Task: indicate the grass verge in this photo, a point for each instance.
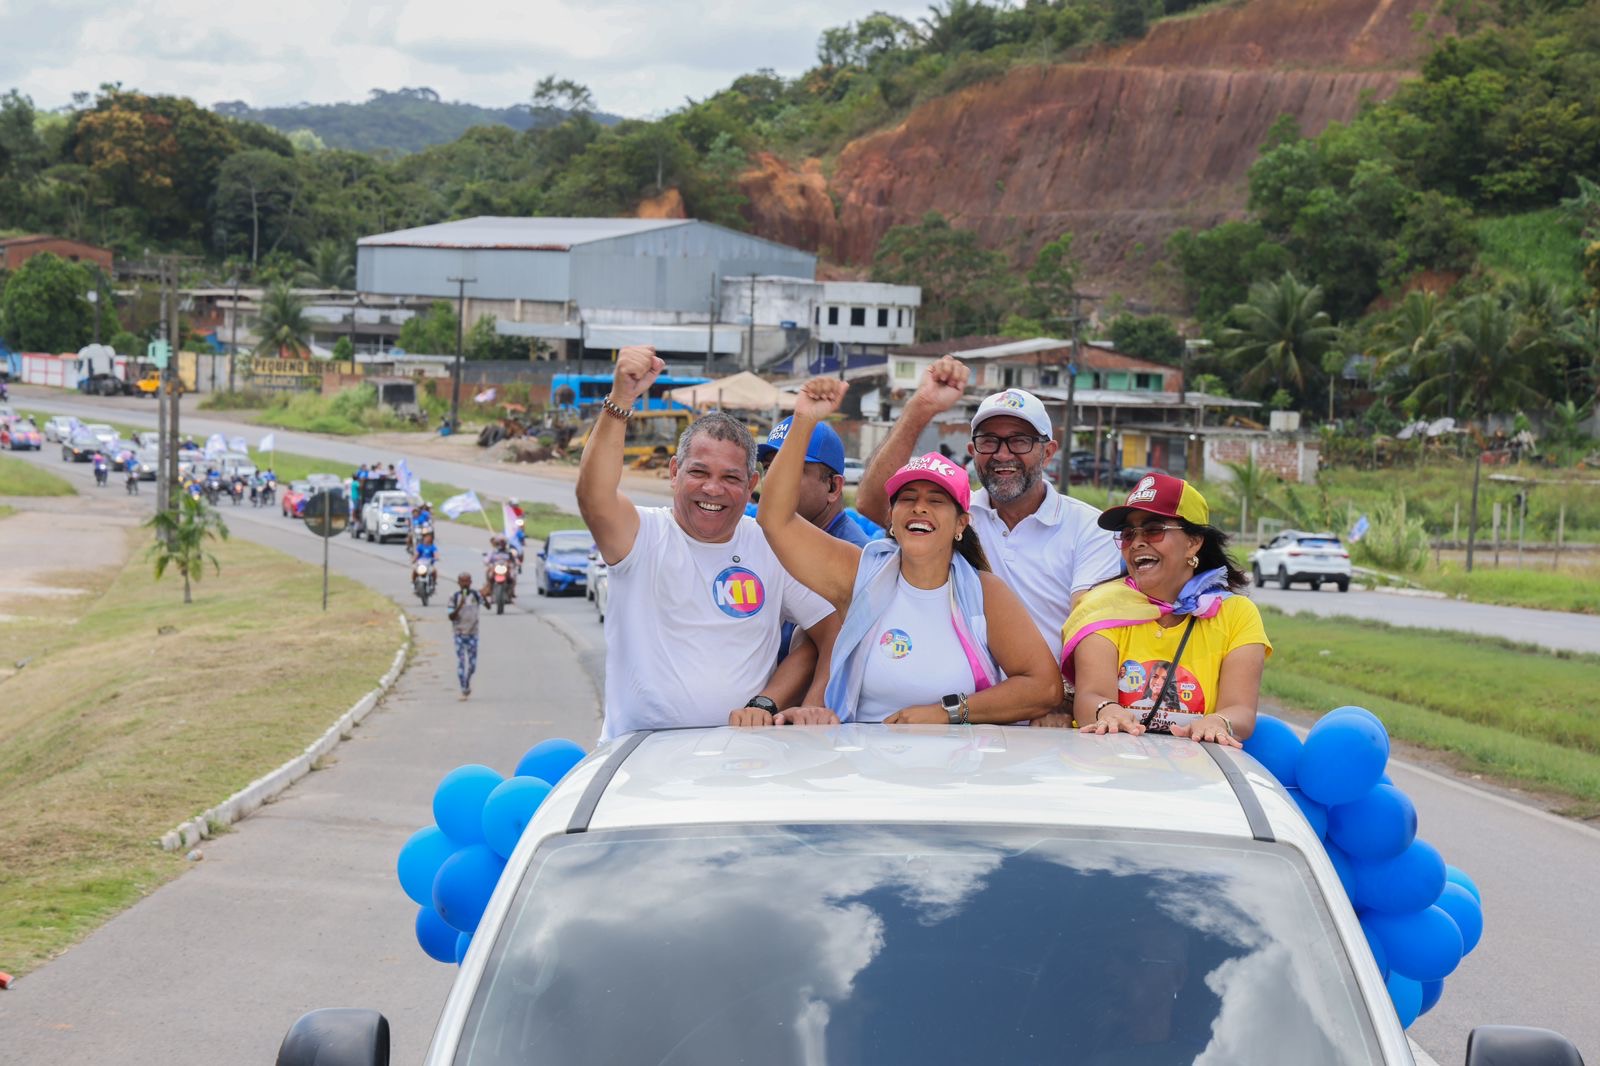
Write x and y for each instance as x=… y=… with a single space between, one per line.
x=1542 y=589
x=135 y=712
x=1513 y=711
x=18 y=478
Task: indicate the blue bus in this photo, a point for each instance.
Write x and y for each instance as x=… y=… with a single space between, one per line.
x=583 y=392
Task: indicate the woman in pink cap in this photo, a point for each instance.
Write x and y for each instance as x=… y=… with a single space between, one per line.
x=929 y=635
x=1168 y=648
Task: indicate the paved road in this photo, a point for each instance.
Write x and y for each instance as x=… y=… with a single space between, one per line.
x=1552 y=629
x=299 y=907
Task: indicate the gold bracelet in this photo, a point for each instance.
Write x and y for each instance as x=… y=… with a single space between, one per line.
x=1102 y=705
x=1225 y=723
x=615 y=409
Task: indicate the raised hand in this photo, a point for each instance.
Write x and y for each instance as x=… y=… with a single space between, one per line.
x=943 y=384
x=819 y=398
x=638 y=366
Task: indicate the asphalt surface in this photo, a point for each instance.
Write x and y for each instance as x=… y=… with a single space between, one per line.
x=299 y=907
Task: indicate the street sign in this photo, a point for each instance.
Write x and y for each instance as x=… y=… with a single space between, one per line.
x=326 y=513
x=158 y=352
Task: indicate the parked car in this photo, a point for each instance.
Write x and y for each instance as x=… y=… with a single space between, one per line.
x=80 y=447
x=853 y=470
x=1129 y=476
x=853 y=894
x=58 y=428
x=1295 y=556
x=292 y=503
x=602 y=593
x=562 y=562
x=591 y=575
x=387 y=515
x=20 y=434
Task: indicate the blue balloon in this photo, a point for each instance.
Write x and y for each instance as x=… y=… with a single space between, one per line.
x=419 y=862
x=1315 y=812
x=463 y=887
x=1455 y=875
x=436 y=938
x=1342 y=759
x=1424 y=946
x=549 y=760
x=1345 y=867
x=1379 y=953
x=458 y=802
x=1461 y=905
x=508 y=810
x=1431 y=991
x=1408 y=882
x=1406 y=995
x=463 y=942
x=1351 y=709
x=1275 y=746
x=1379 y=825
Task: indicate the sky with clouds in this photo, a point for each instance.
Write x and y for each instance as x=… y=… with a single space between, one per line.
x=639 y=58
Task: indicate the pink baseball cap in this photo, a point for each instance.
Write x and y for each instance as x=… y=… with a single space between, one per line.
x=937 y=469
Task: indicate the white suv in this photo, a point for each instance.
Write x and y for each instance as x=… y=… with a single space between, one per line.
x=912 y=895
x=1295 y=556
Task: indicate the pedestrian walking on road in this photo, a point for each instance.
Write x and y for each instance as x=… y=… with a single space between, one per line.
x=464 y=605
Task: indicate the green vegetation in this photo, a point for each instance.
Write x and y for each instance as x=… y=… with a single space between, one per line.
x=18 y=478
x=1535 y=244
x=349 y=413
x=237 y=400
x=43 y=307
x=1550 y=590
x=180 y=541
x=1463 y=695
x=104 y=746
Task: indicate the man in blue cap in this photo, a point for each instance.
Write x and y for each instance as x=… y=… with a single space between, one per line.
x=822 y=488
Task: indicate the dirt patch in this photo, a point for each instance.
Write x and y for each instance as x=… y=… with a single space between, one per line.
x=57 y=548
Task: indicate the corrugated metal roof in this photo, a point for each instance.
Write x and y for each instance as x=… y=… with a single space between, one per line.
x=520 y=234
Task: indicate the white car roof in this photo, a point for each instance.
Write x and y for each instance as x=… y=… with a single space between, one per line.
x=974 y=775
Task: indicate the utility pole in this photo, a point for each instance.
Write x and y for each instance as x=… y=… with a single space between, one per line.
x=461 y=327
x=233 y=345
x=174 y=384
x=1064 y=475
x=1472 y=514
x=711 y=325
x=163 y=446
x=751 y=334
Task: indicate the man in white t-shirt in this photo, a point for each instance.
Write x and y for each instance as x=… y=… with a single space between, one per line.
x=1047 y=547
x=697 y=599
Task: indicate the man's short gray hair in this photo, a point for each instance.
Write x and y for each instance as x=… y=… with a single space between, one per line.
x=719 y=425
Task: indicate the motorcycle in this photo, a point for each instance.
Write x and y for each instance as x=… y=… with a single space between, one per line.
x=213 y=490
x=100 y=473
x=133 y=482
x=269 y=493
x=423 y=579
x=236 y=491
x=503 y=592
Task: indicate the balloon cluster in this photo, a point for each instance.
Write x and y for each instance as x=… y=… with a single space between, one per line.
x=1421 y=917
x=452 y=866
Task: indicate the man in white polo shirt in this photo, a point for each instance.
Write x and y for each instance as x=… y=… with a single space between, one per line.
x=1047 y=547
x=697 y=597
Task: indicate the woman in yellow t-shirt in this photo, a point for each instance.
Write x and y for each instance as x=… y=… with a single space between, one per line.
x=1169 y=648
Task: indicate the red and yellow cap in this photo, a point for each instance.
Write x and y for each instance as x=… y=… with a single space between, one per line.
x=1162 y=494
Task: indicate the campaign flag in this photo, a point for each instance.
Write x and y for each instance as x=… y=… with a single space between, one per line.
x=508 y=518
x=237 y=444
x=1359 y=530
x=215 y=445
x=486 y=396
x=409 y=483
x=268 y=443
x=456 y=506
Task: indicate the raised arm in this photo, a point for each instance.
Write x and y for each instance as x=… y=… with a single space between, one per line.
x=610 y=515
x=823 y=564
x=940 y=389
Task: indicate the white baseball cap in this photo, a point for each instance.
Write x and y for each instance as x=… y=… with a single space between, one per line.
x=1018 y=403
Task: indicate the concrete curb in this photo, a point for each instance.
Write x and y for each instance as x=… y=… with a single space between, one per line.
x=268 y=787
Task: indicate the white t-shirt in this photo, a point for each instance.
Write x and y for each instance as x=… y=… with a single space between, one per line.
x=692 y=629
x=915 y=657
x=1054 y=552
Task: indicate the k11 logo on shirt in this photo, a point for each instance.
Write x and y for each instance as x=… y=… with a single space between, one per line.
x=738 y=592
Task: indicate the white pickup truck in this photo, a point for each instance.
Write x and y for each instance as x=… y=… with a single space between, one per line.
x=386 y=515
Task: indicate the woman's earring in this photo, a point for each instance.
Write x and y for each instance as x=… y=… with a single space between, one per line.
x=1194 y=561
x=961 y=534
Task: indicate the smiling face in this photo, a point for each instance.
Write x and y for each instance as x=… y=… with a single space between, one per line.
x=711 y=483
x=1007 y=477
x=925 y=518
x=1159 y=567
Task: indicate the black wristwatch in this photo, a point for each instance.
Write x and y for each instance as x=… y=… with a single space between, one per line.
x=955 y=705
x=764 y=704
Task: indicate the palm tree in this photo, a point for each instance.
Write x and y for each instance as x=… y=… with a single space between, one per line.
x=1487 y=353
x=330 y=267
x=181 y=537
x=1581 y=337
x=282 y=325
x=1282 y=330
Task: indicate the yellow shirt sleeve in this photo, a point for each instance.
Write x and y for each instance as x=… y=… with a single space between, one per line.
x=1243 y=623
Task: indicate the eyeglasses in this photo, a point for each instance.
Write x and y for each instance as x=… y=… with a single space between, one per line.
x=989 y=443
x=1151 y=534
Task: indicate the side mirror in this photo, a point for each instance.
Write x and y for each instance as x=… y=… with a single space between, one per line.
x=1518 y=1045
x=336 y=1037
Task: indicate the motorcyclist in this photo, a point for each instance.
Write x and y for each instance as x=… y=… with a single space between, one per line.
x=426 y=551
x=236 y=487
x=100 y=469
x=131 y=469
x=499 y=553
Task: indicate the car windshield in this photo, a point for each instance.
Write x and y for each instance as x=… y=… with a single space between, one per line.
x=577 y=541
x=881 y=945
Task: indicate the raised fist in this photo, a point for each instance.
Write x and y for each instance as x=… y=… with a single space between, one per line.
x=820 y=397
x=638 y=366
x=943 y=384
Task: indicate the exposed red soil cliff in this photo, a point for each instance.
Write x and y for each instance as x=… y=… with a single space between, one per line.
x=1121 y=149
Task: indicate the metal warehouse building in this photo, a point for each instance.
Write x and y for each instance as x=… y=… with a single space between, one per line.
x=595 y=282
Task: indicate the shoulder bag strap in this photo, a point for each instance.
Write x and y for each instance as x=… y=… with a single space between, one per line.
x=1172 y=675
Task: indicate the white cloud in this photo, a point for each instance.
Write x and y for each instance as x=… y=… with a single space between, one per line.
x=639 y=58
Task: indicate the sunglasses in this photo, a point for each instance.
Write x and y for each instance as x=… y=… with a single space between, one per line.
x=1151 y=534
